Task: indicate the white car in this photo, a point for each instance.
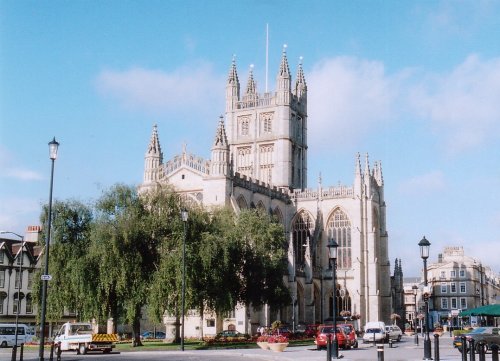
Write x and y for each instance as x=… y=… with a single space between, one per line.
x=393 y=332
x=374 y=334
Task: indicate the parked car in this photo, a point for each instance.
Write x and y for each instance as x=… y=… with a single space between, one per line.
x=325 y=332
x=311 y=330
x=230 y=333
x=375 y=332
x=490 y=336
x=393 y=332
x=284 y=331
x=351 y=333
x=151 y=335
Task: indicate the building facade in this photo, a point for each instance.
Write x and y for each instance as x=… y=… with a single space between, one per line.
x=459 y=282
x=19 y=260
x=259 y=160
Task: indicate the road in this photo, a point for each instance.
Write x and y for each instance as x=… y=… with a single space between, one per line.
x=405 y=350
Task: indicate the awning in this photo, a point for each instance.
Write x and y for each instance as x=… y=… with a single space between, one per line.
x=488 y=310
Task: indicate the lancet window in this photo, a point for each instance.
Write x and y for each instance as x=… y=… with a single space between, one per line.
x=301 y=232
x=339 y=229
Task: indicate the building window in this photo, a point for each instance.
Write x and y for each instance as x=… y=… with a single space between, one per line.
x=29 y=304
x=266 y=121
x=463 y=303
x=444 y=288
x=443 y=275
x=339 y=229
x=462 y=287
x=18 y=259
x=453 y=287
x=18 y=277
x=14 y=304
x=454 y=303
x=462 y=273
x=244 y=126
x=301 y=233
x=2 y=278
x=30 y=279
x=453 y=274
x=210 y=322
x=2 y=257
x=1 y=304
x=444 y=303
x=266 y=162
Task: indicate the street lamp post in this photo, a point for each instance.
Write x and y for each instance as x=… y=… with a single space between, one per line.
x=184 y=216
x=19 y=284
x=332 y=255
x=424 y=245
x=415 y=291
x=53 y=146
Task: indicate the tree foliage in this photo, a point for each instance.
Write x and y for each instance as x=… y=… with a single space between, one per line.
x=125 y=251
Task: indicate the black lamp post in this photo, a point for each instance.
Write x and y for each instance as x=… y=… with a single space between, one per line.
x=53 y=146
x=184 y=216
x=332 y=255
x=415 y=291
x=424 y=245
x=19 y=284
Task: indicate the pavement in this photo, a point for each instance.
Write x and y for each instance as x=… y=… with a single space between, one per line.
x=406 y=350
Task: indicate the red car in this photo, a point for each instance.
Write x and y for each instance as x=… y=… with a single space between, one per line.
x=351 y=333
x=326 y=331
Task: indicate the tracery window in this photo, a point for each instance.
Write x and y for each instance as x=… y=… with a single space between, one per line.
x=245 y=161
x=301 y=232
x=266 y=122
x=244 y=125
x=266 y=164
x=339 y=229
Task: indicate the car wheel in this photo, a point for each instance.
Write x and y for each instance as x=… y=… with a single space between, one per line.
x=399 y=338
x=4 y=344
x=82 y=349
x=355 y=344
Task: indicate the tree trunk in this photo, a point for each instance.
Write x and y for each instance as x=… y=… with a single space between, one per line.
x=136 y=329
x=201 y=320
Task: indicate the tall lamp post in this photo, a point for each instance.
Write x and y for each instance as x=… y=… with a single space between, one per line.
x=415 y=291
x=53 y=146
x=19 y=284
x=424 y=245
x=184 y=216
x=332 y=255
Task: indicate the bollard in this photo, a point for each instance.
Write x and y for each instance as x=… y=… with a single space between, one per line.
x=390 y=343
x=436 y=347
x=494 y=352
x=58 y=351
x=51 y=357
x=328 y=348
x=416 y=339
x=472 y=355
x=464 y=348
x=481 y=350
x=14 y=351
x=21 y=352
x=380 y=352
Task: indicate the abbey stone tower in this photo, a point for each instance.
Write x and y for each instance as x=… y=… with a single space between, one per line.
x=259 y=159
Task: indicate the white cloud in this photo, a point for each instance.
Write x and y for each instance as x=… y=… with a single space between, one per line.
x=462 y=105
x=195 y=88
x=348 y=98
x=429 y=182
x=17 y=213
x=19 y=173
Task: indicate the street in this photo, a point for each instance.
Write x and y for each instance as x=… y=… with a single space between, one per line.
x=402 y=351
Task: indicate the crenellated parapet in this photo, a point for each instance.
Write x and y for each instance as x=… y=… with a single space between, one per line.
x=257 y=186
x=326 y=193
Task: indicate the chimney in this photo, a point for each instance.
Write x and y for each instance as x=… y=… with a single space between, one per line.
x=32 y=234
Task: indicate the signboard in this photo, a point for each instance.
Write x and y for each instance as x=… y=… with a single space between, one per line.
x=46 y=277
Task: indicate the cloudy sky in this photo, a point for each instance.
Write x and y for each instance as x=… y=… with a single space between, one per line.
x=415 y=84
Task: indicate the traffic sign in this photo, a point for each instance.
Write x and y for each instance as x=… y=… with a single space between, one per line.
x=46 y=277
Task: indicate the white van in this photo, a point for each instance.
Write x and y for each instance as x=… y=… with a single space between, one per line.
x=374 y=332
x=8 y=334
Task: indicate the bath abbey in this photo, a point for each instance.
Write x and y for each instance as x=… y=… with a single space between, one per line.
x=259 y=160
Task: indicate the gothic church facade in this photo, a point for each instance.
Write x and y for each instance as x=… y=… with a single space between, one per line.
x=259 y=159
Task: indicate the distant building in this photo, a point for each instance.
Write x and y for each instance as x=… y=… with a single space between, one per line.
x=16 y=260
x=457 y=282
x=259 y=160
x=460 y=282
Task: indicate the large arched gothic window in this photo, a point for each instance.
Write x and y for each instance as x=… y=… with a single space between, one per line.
x=301 y=228
x=339 y=229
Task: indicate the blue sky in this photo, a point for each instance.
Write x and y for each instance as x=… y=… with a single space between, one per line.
x=416 y=84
